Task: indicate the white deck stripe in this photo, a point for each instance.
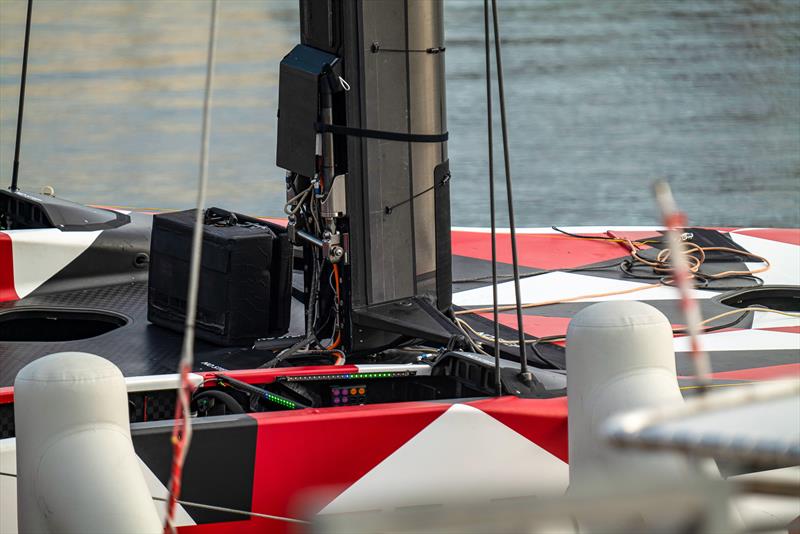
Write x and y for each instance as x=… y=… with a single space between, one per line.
x=560 y=285
x=39 y=254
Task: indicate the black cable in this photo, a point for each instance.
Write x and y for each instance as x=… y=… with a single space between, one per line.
x=546 y=339
x=311 y=335
x=592 y=237
x=627 y=267
x=227 y=400
x=539 y=355
x=525 y=375
x=495 y=313
x=376 y=47
x=22 y=83
x=389 y=209
x=757 y=279
x=559 y=230
x=308 y=354
x=715 y=328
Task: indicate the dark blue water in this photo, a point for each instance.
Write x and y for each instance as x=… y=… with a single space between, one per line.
x=603 y=98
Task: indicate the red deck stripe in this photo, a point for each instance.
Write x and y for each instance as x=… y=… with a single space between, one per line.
x=535 y=325
x=788 y=329
x=543 y=251
x=542 y=421
x=783 y=235
x=7 y=289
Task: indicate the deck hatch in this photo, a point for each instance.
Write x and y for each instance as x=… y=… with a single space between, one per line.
x=55 y=324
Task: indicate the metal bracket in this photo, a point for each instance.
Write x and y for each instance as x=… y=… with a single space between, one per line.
x=335 y=204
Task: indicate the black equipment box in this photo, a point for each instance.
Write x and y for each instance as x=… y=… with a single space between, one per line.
x=298 y=107
x=245 y=276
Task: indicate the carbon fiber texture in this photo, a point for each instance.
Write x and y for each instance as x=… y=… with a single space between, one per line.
x=137 y=348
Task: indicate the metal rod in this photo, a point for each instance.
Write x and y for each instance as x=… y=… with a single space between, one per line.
x=310 y=238
x=525 y=375
x=495 y=313
x=22 y=83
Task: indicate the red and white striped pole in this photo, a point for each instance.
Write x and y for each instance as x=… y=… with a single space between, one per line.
x=675 y=222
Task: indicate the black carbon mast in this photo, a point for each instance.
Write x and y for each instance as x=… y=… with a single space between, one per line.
x=363 y=135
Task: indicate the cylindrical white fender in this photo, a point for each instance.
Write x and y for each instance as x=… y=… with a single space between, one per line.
x=620 y=357
x=76 y=467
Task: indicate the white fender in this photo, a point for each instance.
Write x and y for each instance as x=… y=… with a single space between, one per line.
x=76 y=466
x=619 y=358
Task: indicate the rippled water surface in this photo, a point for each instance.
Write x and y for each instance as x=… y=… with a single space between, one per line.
x=603 y=97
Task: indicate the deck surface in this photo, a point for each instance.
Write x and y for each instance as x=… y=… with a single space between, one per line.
x=555 y=268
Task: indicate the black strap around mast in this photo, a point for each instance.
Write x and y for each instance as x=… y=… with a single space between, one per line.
x=23 y=78
x=381 y=134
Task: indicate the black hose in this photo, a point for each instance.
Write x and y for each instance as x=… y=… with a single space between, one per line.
x=228 y=401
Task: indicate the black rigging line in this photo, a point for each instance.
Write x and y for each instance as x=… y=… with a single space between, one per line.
x=23 y=78
x=498 y=384
x=525 y=375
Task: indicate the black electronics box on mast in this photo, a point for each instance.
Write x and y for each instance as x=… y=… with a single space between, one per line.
x=299 y=96
x=245 y=276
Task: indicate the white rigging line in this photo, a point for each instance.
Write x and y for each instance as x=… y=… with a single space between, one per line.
x=182 y=433
x=191 y=504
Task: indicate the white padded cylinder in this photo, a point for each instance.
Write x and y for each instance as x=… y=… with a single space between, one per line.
x=620 y=357
x=76 y=467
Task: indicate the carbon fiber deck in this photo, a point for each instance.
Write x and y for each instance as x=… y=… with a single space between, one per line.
x=137 y=348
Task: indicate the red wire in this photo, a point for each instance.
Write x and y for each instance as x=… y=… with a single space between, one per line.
x=338 y=340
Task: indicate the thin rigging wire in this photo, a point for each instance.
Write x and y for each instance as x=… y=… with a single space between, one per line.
x=749 y=309
x=182 y=431
x=498 y=384
x=525 y=375
x=22 y=83
x=235 y=511
x=212 y=507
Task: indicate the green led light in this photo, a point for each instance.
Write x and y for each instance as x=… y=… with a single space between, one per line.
x=278 y=400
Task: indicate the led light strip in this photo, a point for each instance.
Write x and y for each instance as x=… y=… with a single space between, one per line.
x=347 y=376
x=280 y=400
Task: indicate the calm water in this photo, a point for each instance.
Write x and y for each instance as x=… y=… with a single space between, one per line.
x=603 y=97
